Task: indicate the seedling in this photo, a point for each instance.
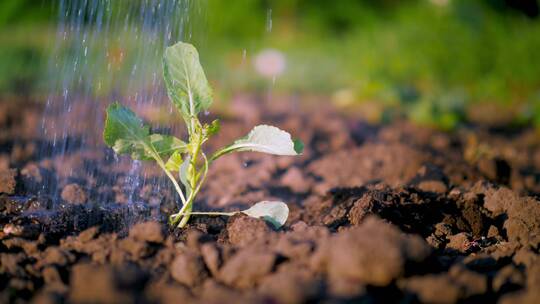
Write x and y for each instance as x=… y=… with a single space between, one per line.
x=189 y=91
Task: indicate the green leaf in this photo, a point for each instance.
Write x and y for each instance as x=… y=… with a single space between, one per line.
x=266 y=139
x=126 y=134
x=274 y=212
x=122 y=123
x=212 y=128
x=124 y=131
x=298 y=146
x=166 y=145
x=185 y=79
x=174 y=162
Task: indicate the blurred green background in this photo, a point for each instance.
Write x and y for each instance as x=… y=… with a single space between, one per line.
x=437 y=62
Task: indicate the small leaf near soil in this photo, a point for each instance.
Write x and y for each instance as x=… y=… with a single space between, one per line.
x=274 y=212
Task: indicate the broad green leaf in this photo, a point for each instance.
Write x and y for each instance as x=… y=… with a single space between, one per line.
x=185 y=79
x=174 y=162
x=274 y=212
x=122 y=124
x=126 y=134
x=266 y=139
x=124 y=131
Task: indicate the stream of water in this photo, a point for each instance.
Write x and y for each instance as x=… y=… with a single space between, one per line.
x=106 y=50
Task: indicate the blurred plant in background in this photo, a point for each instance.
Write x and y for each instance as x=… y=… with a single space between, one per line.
x=24 y=30
x=436 y=62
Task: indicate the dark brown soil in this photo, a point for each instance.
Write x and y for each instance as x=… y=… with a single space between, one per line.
x=379 y=214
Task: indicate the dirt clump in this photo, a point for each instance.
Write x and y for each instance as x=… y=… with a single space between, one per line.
x=98 y=284
x=459 y=242
x=74 y=194
x=246 y=267
x=521 y=213
x=243 y=230
x=294 y=179
x=188 y=268
x=151 y=232
x=395 y=163
x=374 y=253
x=7 y=181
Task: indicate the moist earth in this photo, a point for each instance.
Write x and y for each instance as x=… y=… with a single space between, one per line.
x=378 y=213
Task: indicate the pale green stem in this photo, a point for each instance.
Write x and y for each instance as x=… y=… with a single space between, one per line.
x=213 y=213
x=186 y=216
x=193 y=164
x=169 y=175
x=220 y=153
x=185 y=212
x=175 y=183
x=182 y=211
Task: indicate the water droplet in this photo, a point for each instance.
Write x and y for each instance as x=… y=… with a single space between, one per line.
x=269 y=20
x=130 y=36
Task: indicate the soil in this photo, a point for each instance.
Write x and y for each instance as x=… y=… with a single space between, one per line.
x=378 y=213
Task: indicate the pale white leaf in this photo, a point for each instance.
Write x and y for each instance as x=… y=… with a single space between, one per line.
x=266 y=139
x=273 y=212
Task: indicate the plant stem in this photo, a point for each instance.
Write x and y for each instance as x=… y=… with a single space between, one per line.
x=186 y=215
x=215 y=213
x=185 y=212
x=168 y=173
x=173 y=180
x=219 y=153
x=182 y=212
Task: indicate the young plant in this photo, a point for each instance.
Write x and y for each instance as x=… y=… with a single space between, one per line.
x=191 y=94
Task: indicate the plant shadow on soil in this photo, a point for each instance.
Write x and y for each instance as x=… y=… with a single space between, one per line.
x=378 y=213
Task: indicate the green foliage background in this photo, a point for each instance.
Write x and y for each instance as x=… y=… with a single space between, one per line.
x=432 y=62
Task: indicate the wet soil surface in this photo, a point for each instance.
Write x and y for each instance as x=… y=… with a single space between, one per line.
x=379 y=214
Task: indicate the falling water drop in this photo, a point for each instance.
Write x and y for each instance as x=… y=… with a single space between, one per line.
x=106 y=47
x=133 y=180
x=269 y=20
